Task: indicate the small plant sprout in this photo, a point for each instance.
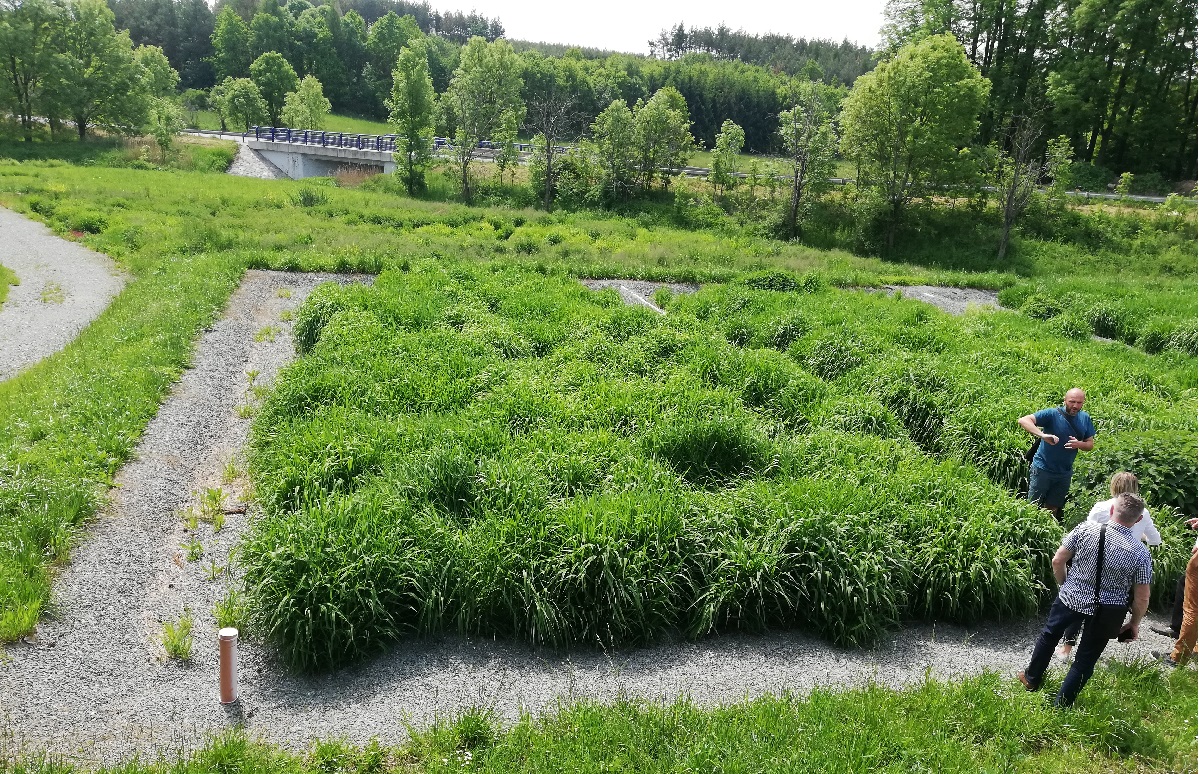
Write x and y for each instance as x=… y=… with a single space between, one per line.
x=177 y=637
x=231 y=610
x=214 y=570
x=53 y=293
x=218 y=521
x=286 y=315
x=230 y=472
x=283 y=293
x=212 y=502
x=267 y=333
x=193 y=549
x=245 y=411
x=252 y=375
x=190 y=519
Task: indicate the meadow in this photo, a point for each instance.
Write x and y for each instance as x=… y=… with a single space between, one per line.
x=480 y=444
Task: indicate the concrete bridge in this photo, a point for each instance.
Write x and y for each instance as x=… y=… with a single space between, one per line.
x=301 y=153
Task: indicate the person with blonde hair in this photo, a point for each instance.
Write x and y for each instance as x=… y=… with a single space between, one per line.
x=1101 y=513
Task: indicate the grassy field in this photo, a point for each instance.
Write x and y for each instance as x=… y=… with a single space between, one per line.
x=478 y=409
x=188 y=235
x=1130 y=718
x=7 y=278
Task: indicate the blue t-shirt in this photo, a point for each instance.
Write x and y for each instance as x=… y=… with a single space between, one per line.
x=1057 y=459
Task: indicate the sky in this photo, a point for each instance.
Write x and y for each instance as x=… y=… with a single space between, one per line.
x=627 y=25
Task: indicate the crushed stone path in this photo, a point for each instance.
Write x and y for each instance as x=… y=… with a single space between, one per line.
x=952 y=300
x=93 y=683
x=63 y=287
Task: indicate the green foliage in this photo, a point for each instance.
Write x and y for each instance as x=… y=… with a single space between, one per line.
x=728 y=147
x=177 y=637
x=904 y=122
x=275 y=79
x=166 y=122
x=411 y=107
x=239 y=101
x=809 y=143
x=306 y=107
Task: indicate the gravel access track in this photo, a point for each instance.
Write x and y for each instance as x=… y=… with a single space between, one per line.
x=63 y=287
x=94 y=684
x=952 y=300
x=639 y=292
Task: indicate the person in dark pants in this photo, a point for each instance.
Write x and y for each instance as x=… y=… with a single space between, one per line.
x=1064 y=431
x=1127 y=572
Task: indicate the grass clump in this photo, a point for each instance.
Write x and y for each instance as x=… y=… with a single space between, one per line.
x=8 y=278
x=177 y=637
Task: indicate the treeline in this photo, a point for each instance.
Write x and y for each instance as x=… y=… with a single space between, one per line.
x=1117 y=77
x=815 y=59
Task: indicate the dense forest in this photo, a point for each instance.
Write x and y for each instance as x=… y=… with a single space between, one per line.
x=1117 y=78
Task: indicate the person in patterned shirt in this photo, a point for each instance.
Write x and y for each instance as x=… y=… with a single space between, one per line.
x=1127 y=571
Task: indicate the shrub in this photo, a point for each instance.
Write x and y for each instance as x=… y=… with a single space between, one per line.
x=1155 y=335
x=1040 y=307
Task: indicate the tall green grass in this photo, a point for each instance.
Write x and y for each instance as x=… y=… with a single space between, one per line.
x=499 y=451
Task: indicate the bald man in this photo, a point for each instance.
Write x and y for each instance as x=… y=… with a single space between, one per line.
x=1064 y=431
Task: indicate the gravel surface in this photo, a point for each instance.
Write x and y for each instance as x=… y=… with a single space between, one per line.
x=93 y=683
x=250 y=163
x=638 y=292
x=952 y=300
x=64 y=286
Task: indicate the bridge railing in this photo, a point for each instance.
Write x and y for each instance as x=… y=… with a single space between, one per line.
x=375 y=142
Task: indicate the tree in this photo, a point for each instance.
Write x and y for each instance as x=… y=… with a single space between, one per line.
x=1017 y=173
x=904 y=122
x=274 y=78
x=724 y=157
x=505 y=154
x=386 y=39
x=166 y=121
x=27 y=32
x=614 y=133
x=306 y=107
x=161 y=78
x=411 y=107
x=806 y=133
x=230 y=46
x=196 y=26
x=484 y=90
x=97 y=81
x=551 y=95
x=663 y=139
x=240 y=101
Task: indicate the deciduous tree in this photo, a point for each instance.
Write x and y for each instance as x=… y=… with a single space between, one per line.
x=241 y=102
x=230 y=46
x=664 y=141
x=306 y=107
x=97 y=81
x=411 y=106
x=614 y=133
x=275 y=78
x=161 y=78
x=904 y=122
x=166 y=122
x=27 y=32
x=806 y=132
x=729 y=142
x=484 y=90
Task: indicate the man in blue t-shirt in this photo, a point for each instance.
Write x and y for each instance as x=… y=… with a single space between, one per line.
x=1064 y=431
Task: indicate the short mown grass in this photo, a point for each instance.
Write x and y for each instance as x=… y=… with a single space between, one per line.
x=1129 y=718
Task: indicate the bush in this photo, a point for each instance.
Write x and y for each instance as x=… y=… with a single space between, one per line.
x=1089 y=177
x=1040 y=307
x=1155 y=336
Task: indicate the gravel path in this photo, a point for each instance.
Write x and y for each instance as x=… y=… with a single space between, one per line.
x=952 y=300
x=93 y=682
x=64 y=286
x=638 y=292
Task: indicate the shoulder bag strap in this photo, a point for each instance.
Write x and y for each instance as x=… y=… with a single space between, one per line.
x=1099 y=567
x=1072 y=427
